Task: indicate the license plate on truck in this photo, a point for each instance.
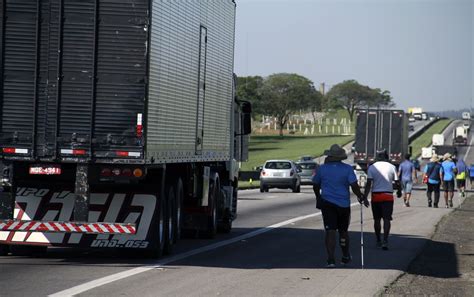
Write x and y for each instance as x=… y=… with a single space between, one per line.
x=45 y=170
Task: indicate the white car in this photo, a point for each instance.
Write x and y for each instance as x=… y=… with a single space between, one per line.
x=282 y=174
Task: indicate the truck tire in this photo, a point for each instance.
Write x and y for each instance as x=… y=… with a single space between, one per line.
x=225 y=223
x=179 y=206
x=28 y=251
x=157 y=250
x=4 y=249
x=211 y=229
x=170 y=220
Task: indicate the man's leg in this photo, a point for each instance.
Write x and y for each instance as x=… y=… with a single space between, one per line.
x=330 y=244
x=387 y=210
x=386 y=229
x=446 y=193
x=436 y=195
x=344 y=243
x=377 y=229
x=429 y=192
x=377 y=214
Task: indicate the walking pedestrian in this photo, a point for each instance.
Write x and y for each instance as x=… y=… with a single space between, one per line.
x=448 y=170
x=381 y=177
x=331 y=187
x=471 y=175
x=433 y=176
x=406 y=174
x=461 y=177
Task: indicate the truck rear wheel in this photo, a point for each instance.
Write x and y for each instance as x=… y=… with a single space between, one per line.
x=170 y=220
x=179 y=203
x=25 y=250
x=157 y=250
x=212 y=218
x=4 y=249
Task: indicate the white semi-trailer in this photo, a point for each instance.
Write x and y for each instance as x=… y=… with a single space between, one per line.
x=119 y=127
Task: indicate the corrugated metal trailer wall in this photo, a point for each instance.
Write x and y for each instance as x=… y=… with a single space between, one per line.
x=74 y=76
x=190 y=84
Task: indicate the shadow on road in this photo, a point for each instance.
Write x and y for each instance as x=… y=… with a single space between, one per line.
x=282 y=248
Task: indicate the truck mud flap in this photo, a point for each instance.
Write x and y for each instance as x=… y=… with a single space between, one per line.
x=122 y=205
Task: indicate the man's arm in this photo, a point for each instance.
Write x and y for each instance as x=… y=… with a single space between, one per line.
x=360 y=197
x=317 y=190
x=368 y=186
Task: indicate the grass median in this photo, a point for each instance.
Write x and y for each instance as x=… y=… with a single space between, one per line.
x=262 y=148
x=424 y=140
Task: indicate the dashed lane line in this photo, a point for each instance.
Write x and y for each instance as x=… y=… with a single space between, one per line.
x=159 y=264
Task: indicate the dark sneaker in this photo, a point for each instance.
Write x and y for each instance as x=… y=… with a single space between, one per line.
x=378 y=244
x=385 y=245
x=450 y=203
x=435 y=206
x=407 y=204
x=346 y=260
x=331 y=264
x=429 y=204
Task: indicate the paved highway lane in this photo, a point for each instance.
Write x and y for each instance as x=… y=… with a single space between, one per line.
x=284 y=259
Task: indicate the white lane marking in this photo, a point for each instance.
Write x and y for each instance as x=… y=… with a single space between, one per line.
x=158 y=265
x=468 y=149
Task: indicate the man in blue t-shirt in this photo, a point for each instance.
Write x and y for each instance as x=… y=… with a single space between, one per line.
x=433 y=173
x=448 y=171
x=406 y=172
x=331 y=187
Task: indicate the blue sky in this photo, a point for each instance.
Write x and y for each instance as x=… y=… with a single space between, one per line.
x=420 y=50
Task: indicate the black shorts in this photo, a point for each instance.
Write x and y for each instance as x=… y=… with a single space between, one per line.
x=448 y=186
x=335 y=217
x=461 y=183
x=382 y=209
x=433 y=188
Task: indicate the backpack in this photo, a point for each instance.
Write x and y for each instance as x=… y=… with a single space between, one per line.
x=433 y=171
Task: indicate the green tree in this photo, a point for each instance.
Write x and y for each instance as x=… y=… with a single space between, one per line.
x=351 y=95
x=285 y=93
x=248 y=88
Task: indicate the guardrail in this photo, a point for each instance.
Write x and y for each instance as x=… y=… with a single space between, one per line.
x=418 y=133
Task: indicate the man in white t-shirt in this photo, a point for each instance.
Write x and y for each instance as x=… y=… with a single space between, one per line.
x=380 y=179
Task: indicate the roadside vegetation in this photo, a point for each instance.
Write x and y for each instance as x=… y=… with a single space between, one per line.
x=424 y=140
x=264 y=148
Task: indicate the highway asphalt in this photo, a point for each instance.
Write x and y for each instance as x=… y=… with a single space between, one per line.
x=275 y=248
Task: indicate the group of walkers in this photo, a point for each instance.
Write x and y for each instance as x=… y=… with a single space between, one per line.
x=446 y=173
x=331 y=186
x=334 y=178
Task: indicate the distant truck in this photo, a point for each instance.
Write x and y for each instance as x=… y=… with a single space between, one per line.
x=119 y=124
x=437 y=139
x=466 y=115
x=443 y=149
x=460 y=135
x=380 y=129
x=413 y=110
x=424 y=116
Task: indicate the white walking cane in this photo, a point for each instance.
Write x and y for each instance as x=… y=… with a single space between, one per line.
x=362 y=235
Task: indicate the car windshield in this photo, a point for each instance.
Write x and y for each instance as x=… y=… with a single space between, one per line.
x=278 y=165
x=307 y=165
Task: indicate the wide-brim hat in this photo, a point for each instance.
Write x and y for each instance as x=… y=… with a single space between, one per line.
x=447 y=156
x=337 y=152
x=434 y=158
